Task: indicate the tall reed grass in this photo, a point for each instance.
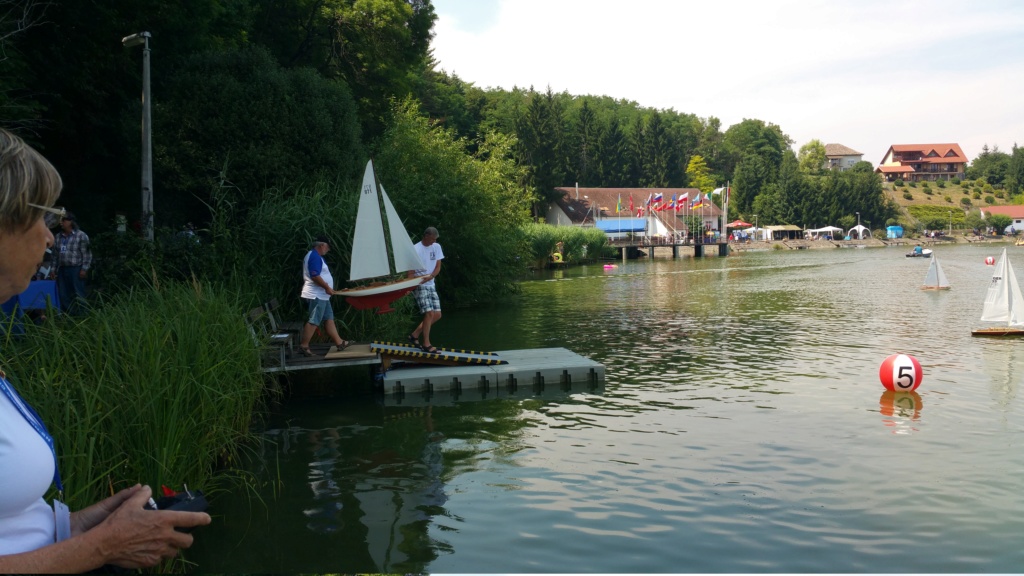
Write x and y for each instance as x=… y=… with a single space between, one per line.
x=575 y=241
x=158 y=385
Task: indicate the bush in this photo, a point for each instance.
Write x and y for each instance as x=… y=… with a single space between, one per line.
x=898 y=183
x=907 y=195
x=965 y=191
x=965 y=202
x=941 y=183
x=947 y=198
x=928 y=191
x=912 y=184
x=1000 y=194
x=990 y=199
x=955 y=181
x=976 y=195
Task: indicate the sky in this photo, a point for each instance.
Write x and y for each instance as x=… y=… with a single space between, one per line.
x=862 y=73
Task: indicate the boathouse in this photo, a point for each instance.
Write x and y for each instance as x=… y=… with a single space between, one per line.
x=664 y=210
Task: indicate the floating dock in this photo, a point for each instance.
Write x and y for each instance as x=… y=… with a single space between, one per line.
x=537 y=368
x=402 y=369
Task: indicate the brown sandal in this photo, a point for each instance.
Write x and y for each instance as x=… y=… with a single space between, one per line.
x=305 y=351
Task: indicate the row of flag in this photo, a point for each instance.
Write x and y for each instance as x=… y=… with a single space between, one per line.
x=656 y=202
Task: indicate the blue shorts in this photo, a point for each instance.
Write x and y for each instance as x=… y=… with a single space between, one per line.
x=426 y=299
x=319 y=310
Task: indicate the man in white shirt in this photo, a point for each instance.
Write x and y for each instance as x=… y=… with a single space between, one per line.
x=317 y=289
x=430 y=254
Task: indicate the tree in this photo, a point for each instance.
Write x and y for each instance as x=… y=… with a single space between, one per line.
x=586 y=144
x=1015 y=171
x=698 y=174
x=749 y=179
x=812 y=157
x=238 y=118
x=991 y=164
x=999 y=222
x=378 y=47
x=473 y=201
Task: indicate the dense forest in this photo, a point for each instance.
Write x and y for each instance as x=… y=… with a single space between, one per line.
x=256 y=95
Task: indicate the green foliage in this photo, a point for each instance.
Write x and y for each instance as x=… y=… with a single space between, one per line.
x=935 y=217
x=237 y=118
x=123 y=260
x=1015 y=171
x=698 y=175
x=976 y=195
x=954 y=181
x=941 y=183
x=912 y=184
x=898 y=183
x=965 y=202
x=1000 y=194
x=928 y=191
x=991 y=165
x=907 y=195
x=158 y=386
x=542 y=239
x=812 y=157
x=990 y=199
x=999 y=222
x=473 y=202
x=947 y=198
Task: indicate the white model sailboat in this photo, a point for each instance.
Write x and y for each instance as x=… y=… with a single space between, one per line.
x=370 y=259
x=935 y=279
x=1003 y=303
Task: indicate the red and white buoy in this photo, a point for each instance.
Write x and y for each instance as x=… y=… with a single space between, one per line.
x=990 y=261
x=900 y=373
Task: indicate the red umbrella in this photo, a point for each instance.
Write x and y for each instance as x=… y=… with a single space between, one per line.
x=738 y=224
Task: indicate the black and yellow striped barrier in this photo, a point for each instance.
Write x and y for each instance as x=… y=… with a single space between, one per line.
x=443 y=355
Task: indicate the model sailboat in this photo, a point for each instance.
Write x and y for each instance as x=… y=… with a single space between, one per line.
x=935 y=279
x=1003 y=303
x=370 y=251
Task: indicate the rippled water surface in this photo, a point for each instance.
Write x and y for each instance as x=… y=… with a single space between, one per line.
x=741 y=428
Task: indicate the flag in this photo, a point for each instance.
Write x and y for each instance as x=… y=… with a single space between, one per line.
x=658 y=197
x=631 y=202
x=727 y=190
x=717 y=190
x=618 y=205
x=640 y=212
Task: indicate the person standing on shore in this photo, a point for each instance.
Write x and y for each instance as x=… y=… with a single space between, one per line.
x=73 y=261
x=430 y=254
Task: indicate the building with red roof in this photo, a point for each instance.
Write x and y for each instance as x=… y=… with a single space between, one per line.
x=920 y=162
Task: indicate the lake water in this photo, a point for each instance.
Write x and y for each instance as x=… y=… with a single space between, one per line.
x=741 y=428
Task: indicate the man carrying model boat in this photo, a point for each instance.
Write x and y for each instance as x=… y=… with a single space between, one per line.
x=430 y=254
x=317 y=289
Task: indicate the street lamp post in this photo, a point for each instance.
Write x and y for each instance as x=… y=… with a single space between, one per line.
x=950 y=222
x=755 y=226
x=142 y=39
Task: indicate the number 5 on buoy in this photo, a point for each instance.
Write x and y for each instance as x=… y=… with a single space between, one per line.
x=900 y=373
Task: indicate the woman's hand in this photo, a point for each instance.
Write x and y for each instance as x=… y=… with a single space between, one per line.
x=133 y=537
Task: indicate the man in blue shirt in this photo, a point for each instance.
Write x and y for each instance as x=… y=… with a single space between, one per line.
x=317 y=289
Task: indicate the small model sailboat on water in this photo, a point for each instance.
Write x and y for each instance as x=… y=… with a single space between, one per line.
x=370 y=250
x=1003 y=303
x=935 y=279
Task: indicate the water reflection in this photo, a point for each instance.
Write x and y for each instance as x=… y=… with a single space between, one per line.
x=901 y=410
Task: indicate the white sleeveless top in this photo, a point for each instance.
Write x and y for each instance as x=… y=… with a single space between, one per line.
x=26 y=472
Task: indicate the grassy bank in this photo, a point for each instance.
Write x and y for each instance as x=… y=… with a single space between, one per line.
x=158 y=386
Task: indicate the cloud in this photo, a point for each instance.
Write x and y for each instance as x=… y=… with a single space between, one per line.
x=866 y=75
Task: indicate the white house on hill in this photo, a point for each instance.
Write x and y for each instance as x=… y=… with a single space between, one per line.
x=839 y=157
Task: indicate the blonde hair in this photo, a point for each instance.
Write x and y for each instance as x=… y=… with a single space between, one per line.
x=25 y=177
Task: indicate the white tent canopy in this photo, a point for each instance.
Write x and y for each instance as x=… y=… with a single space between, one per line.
x=859 y=232
x=826 y=231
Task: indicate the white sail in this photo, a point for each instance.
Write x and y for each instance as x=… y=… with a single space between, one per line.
x=1003 y=301
x=369 y=251
x=935 y=278
x=405 y=254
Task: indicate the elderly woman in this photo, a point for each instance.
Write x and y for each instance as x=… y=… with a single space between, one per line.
x=35 y=537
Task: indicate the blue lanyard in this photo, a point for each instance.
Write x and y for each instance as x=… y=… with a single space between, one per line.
x=37 y=424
